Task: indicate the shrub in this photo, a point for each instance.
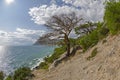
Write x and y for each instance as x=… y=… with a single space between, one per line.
x=112 y=16
x=103 y=32
x=49 y=59
x=93 y=38
x=93 y=54
x=89 y=40
x=72 y=42
x=9 y=78
x=43 y=65
x=1 y=75
x=22 y=74
x=55 y=55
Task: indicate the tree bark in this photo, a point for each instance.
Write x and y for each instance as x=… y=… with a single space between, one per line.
x=67 y=42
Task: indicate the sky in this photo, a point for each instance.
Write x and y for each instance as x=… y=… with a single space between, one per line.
x=22 y=21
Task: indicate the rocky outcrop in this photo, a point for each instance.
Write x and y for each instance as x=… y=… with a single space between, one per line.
x=46 y=40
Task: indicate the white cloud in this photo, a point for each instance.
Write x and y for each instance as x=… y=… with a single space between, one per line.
x=20 y=36
x=42 y=13
x=92 y=10
x=53 y=2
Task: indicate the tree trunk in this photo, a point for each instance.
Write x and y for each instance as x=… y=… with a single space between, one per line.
x=67 y=42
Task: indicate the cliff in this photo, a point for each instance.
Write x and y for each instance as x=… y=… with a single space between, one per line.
x=47 y=40
x=104 y=66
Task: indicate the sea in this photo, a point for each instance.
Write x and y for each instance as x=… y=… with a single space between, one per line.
x=13 y=57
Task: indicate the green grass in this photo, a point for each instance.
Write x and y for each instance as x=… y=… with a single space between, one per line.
x=43 y=65
x=49 y=59
x=93 y=54
x=56 y=54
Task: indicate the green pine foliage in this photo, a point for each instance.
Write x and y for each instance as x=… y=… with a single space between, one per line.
x=49 y=59
x=43 y=65
x=1 y=75
x=93 y=54
x=56 y=54
x=89 y=40
x=22 y=74
x=94 y=37
x=9 y=78
x=112 y=16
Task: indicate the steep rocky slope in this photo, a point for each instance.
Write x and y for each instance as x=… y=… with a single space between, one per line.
x=104 y=66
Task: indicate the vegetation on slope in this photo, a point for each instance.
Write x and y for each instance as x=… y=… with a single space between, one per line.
x=49 y=59
x=112 y=16
x=1 y=75
x=93 y=54
x=90 y=38
x=93 y=35
x=21 y=74
x=111 y=25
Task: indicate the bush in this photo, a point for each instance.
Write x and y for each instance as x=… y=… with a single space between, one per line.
x=43 y=65
x=22 y=74
x=89 y=40
x=1 y=75
x=93 y=38
x=73 y=42
x=55 y=55
x=93 y=54
x=112 y=16
x=49 y=59
x=9 y=78
x=103 y=32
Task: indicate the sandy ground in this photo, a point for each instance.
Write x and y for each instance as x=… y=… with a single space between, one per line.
x=104 y=66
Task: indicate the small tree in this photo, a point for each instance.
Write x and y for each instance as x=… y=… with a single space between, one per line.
x=85 y=28
x=64 y=24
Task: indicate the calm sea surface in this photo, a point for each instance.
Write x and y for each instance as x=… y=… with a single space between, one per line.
x=13 y=57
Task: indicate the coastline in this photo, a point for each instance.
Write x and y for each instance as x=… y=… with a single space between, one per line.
x=23 y=56
x=37 y=64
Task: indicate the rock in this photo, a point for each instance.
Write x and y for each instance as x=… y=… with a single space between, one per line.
x=46 y=40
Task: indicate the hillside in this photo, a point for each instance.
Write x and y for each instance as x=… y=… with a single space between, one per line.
x=104 y=66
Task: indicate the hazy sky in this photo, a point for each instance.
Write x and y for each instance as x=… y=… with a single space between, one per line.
x=21 y=21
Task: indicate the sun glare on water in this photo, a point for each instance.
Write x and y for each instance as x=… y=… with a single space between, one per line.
x=9 y=1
